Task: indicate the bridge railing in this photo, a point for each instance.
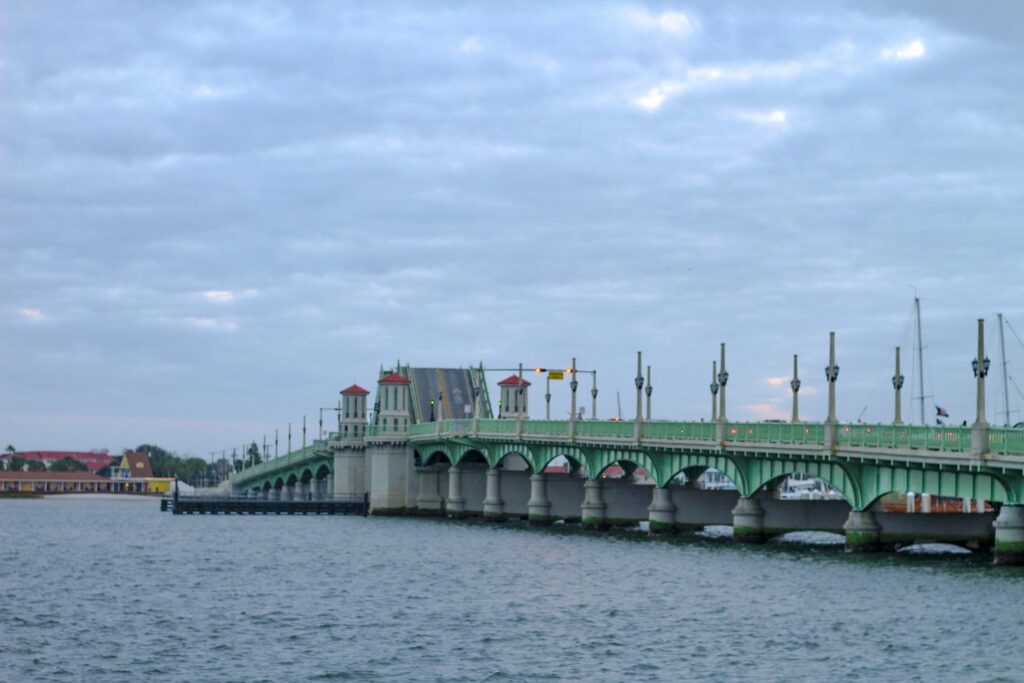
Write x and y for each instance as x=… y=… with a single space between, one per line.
x=546 y=427
x=776 y=432
x=610 y=428
x=1006 y=441
x=687 y=431
x=912 y=437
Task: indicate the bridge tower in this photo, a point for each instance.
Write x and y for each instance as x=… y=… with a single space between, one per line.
x=349 y=451
x=389 y=458
x=514 y=404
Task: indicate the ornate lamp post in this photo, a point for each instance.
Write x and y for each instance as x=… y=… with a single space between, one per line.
x=714 y=391
x=794 y=384
x=831 y=375
x=649 y=390
x=593 y=398
x=897 y=384
x=639 y=382
x=573 y=385
x=980 y=371
x=723 y=379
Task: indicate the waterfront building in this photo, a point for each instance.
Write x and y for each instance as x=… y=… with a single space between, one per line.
x=93 y=461
x=134 y=474
x=53 y=482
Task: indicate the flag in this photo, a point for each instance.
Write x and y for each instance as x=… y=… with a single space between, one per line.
x=941 y=412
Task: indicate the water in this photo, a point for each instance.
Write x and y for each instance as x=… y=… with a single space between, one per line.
x=113 y=590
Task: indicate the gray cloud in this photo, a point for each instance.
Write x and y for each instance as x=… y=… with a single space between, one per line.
x=523 y=184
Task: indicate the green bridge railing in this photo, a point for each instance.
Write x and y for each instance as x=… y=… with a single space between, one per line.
x=940 y=438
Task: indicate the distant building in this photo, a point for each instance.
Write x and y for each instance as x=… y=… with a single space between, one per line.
x=53 y=482
x=93 y=462
x=134 y=474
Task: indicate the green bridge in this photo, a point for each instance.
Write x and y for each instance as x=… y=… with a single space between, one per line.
x=414 y=458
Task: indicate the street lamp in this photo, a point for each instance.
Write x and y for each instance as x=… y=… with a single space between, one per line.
x=832 y=372
x=985 y=364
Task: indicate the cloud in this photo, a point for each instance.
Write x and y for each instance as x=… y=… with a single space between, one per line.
x=777 y=381
x=32 y=314
x=670 y=23
x=774 y=117
x=211 y=324
x=220 y=295
x=471 y=45
x=915 y=49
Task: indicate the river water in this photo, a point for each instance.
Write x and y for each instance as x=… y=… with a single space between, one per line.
x=114 y=590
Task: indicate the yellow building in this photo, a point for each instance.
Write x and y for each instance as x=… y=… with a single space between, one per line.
x=53 y=482
x=134 y=474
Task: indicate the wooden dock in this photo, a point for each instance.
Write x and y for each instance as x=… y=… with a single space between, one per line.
x=207 y=505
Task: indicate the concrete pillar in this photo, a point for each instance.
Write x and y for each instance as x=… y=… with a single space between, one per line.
x=979 y=505
x=926 y=502
x=748 y=521
x=662 y=511
x=428 y=502
x=302 y=490
x=593 y=510
x=862 y=532
x=329 y=487
x=456 y=505
x=276 y=494
x=1009 y=526
x=288 y=492
x=494 y=506
x=539 y=506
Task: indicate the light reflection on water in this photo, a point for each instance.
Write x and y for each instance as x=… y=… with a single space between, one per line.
x=102 y=590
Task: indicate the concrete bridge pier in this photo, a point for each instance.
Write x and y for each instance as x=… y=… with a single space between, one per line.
x=288 y=492
x=494 y=506
x=456 y=504
x=863 y=535
x=1009 y=544
x=274 y=494
x=661 y=513
x=301 y=490
x=748 y=521
x=329 y=487
x=594 y=511
x=539 y=507
x=428 y=502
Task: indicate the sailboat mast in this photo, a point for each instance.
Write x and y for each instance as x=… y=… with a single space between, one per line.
x=920 y=358
x=1006 y=389
x=618 y=400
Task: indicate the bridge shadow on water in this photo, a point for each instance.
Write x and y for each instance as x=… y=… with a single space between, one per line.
x=808 y=545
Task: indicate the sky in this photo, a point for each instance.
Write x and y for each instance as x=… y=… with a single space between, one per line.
x=216 y=215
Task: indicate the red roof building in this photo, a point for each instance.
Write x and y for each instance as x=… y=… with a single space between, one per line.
x=94 y=462
x=513 y=380
x=355 y=389
x=393 y=378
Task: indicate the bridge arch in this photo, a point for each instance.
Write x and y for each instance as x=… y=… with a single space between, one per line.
x=306 y=475
x=879 y=480
x=499 y=453
x=692 y=463
x=292 y=478
x=436 y=456
x=279 y=483
x=470 y=455
x=323 y=471
x=600 y=460
x=766 y=472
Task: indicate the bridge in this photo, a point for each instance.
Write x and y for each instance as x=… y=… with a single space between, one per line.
x=544 y=470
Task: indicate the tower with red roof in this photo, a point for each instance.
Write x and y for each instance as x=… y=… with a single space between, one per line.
x=353 y=412
x=513 y=398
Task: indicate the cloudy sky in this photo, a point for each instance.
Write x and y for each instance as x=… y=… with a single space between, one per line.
x=213 y=216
